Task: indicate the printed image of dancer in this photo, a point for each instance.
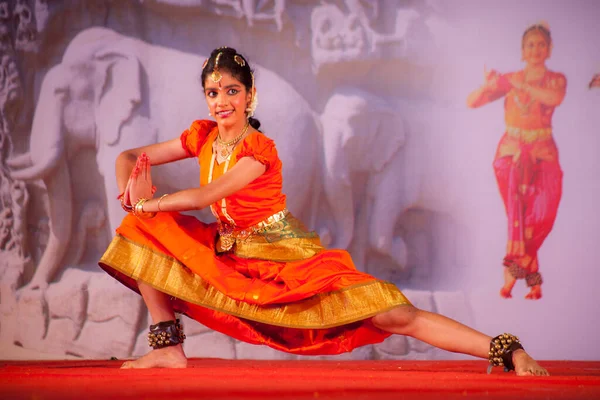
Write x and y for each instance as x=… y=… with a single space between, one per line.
x=526 y=164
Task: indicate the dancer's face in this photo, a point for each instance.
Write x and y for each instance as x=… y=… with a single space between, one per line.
x=227 y=100
x=535 y=49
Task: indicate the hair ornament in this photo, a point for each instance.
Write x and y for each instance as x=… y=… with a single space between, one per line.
x=216 y=75
x=239 y=60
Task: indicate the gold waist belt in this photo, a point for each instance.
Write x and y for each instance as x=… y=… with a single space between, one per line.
x=529 y=135
x=228 y=233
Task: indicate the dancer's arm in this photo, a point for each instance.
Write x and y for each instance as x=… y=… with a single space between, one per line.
x=246 y=170
x=492 y=89
x=550 y=96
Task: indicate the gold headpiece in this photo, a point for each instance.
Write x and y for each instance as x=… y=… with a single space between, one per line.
x=204 y=65
x=216 y=75
x=239 y=60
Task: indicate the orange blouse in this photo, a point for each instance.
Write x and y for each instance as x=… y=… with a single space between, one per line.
x=258 y=200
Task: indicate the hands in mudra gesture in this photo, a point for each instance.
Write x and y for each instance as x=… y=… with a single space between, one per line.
x=139 y=186
x=490 y=77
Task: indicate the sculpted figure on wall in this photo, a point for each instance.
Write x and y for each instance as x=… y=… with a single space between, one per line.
x=363 y=136
x=27 y=37
x=13 y=193
x=347 y=33
x=269 y=11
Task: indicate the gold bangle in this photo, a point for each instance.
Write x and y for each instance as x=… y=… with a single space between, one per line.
x=159 y=200
x=138 y=210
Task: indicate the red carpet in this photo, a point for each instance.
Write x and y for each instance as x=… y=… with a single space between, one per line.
x=248 y=379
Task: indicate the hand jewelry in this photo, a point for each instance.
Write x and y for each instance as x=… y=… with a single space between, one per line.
x=138 y=210
x=124 y=206
x=159 y=200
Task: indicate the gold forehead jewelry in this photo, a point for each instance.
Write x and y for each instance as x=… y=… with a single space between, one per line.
x=239 y=60
x=216 y=75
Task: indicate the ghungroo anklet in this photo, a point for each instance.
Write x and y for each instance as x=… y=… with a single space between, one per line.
x=165 y=334
x=534 y=279
x=501 y=351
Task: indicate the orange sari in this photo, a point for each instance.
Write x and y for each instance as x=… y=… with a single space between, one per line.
x=276 y=285
x=529 y=177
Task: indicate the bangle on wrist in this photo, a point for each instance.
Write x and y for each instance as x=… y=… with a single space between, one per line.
x=159 y=200
x=126 y=207
x=138 y=210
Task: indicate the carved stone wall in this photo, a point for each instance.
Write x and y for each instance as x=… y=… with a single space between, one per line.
x=368 y=83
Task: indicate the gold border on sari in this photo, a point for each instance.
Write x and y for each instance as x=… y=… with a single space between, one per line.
x=320 y=311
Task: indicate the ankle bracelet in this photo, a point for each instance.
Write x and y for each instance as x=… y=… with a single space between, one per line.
x=165 y=333
x=501 y=351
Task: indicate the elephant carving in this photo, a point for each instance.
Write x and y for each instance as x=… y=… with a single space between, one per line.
x=112 y=92
x=363 y=138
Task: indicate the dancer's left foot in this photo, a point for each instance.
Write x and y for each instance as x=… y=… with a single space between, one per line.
x=535 y=293
x=527 y=366
x=167 y=357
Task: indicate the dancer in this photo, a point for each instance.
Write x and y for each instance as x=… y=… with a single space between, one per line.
x=526 y=164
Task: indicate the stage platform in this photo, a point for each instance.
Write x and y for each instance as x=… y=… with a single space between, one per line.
x=305 y=379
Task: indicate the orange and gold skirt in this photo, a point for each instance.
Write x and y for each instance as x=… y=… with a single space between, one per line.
x=278 y=287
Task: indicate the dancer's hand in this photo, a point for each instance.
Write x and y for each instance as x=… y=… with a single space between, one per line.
x=490 y=77
x=140 y=182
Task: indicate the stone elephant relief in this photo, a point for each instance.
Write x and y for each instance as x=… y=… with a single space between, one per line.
x=394 y=177
x=365 y=167
x=112 y=92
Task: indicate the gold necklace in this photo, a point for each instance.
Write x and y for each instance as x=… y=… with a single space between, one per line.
x=234 y=140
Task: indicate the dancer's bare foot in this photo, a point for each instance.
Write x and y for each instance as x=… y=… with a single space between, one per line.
x=527 y=366
x=506 y=292
x=535 y=293
x=167 y=357
x=509 y=283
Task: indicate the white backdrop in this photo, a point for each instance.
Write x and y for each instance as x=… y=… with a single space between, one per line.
x=366 y=100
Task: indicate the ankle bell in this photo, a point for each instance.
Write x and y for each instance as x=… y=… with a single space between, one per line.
x=165 y=334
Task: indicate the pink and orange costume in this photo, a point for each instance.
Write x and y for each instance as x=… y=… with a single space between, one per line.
x=528 y=174
x=257 y=274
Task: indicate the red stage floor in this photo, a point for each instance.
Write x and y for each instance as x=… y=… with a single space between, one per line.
x=249 y=379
